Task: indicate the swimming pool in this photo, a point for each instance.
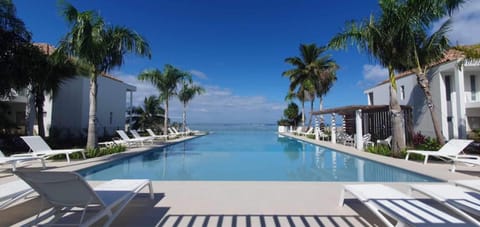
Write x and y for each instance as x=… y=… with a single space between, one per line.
x=249 y=153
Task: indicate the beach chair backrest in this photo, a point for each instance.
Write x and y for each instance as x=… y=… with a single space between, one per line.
x=2 y=155
x=454 y=146
x=135 y=133
x=150 y=132
x=36 y=143
x=61 y=188
x=123 y=135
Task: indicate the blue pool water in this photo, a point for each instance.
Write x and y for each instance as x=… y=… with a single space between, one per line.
x=249 y=153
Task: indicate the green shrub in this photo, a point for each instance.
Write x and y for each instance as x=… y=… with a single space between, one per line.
x=311 y=137
x=92 y=153
x=379 y=149
x=429 y=144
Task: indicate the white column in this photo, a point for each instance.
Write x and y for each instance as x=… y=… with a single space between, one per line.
x=443 y=106
x=333 y=129
x=359 y=130
x=460 y=99
x=130 y=111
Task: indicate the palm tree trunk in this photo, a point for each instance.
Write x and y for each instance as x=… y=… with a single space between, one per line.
x=303 y=113
x=184 y=117
x=398 y=130
x=311 y=115
x=320 y=104
x=165 y=120
x=39 y=100
x=30 y=113
x=422 y=80
x=92 y=113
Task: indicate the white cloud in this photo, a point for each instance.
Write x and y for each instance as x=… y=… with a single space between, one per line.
x=374 y=73
x=217 y=104
x=199 y=74
x=465 y=22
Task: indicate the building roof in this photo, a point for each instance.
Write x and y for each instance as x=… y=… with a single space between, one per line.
x=49 y=49
x=448 y=56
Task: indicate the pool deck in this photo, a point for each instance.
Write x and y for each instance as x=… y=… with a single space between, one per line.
x=240 y=203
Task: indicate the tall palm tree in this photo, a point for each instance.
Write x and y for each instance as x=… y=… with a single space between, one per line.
x=101 y=47
x=313 y=70
x=51 y=69
x=166 y=82
x=426 y=49
x=186 y=94
x=380 y=38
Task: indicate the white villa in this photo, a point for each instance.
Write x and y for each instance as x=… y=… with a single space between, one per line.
x=67 y=112
x=455 y=88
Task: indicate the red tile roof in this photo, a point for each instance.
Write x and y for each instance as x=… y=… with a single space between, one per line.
x=448 y=56
x=49 y=49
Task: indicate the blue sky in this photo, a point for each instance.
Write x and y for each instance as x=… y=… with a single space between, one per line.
x=235 y=48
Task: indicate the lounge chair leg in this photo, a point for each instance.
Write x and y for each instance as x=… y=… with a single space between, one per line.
x=426 y=160
x=68 y=158
x=342 y=198
x=43 y=163
x=150 y=188
x=406 y=157
x=453 y=168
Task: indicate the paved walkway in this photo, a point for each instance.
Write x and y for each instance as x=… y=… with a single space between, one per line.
x=240 y=203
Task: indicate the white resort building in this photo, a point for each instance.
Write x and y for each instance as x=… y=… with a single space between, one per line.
x=67 y=112
x=455 y=88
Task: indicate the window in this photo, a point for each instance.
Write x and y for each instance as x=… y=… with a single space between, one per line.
x=402 y=92
x=448 y=89
x=370 y=98
x=111 y=117
x=473 y=88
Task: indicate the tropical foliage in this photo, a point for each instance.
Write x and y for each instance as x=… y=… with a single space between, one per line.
x=14 y=49
x=424 y=46
x=149 y=115
x=185 y=95
x=379 y=37
x=312 y=76
x=99 y=46
x=166 y=82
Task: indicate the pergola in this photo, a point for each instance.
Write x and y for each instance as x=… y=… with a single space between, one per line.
x=362 y=119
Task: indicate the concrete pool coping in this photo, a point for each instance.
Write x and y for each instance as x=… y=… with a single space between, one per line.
x=192 y=203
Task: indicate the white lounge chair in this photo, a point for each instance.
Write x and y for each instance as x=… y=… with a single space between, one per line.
x=471 y=184
x=127 y=140
x=155 y=136
x=41 y=149
x=406 y=210
x=387 y=141
x=14 y=161
x=138 y=136
x=13 y=191
x=458 y=199
x=307 y=133
x=177 y=132
x=449 y=151
x=67 y=192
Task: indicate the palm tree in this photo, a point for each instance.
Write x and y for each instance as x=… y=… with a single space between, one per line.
x=50 y=71
x=426 y=49
x=166 y=83
x=313 y=71
x=380 y=38
x=301 y=95
x=102 y=48
x=186 y=94
x=149 y=114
